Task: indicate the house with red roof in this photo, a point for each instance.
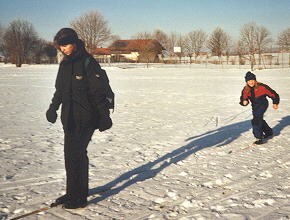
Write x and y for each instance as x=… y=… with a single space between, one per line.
x=140 y=50
x=102 y=55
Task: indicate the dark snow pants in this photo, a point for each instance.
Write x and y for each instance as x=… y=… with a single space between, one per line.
x=77 y=163
x=260 y=126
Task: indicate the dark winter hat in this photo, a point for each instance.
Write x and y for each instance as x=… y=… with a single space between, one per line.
x=250 y=76
x=65 y=36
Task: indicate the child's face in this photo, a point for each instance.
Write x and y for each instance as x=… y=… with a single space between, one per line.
x=251 y=83
x=67 y=49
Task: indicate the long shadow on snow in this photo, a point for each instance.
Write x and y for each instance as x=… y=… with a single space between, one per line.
x=284 y=122
x=214 y=138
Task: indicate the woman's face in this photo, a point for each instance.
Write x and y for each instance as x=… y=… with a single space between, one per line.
x=251 y=83
x=67 y=49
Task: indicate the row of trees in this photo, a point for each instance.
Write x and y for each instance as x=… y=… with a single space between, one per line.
x=254 y=39
x=21 y=44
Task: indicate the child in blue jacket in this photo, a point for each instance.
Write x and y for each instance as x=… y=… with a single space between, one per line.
x=257 y=92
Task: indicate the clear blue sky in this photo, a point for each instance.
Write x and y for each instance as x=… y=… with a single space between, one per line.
x=128 y=17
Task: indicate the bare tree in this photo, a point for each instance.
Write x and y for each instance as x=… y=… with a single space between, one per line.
x=229 y=48
x=161 y=37
x=181 y=42
x=148 y=50
x=51 y=52
x=195 y=41
x=1 y=39
x=283 y=42
x=143 y=46
x=1 y=33
x=255 y=40
x=112 y=39
x=188 y=48
x=248 y=36
x=168 y=42
x=240 y=51
x=93 y=29
x=172 y=42
x=38 y=52
x=218 y=42
x=142 y=35
x=20 y=41
x=262 y=40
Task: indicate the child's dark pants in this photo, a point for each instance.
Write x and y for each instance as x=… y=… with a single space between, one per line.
x=260 y=126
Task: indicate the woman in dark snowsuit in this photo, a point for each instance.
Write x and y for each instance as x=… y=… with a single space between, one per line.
x=257 y=92
x=79 y=88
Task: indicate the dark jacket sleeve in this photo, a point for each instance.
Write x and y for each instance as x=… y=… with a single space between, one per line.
x=271 y=93
x=57 y=97
x=96 y=85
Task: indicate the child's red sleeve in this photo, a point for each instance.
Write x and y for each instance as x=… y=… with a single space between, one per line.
x=244 y=96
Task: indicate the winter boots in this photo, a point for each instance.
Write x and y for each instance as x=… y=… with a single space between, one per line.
x=59 y=201
x=75 y=204
x=68 y=203
x=259 y=141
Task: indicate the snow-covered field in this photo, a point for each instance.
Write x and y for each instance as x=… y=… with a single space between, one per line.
x=179 y=147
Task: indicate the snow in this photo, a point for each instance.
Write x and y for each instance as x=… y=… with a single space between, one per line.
x=180 y=147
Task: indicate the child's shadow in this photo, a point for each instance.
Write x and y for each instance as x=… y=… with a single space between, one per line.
x=284 y=122
x=214 y=138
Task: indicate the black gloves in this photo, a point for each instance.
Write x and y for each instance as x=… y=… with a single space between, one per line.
x=105 y=121
x=51 y=115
